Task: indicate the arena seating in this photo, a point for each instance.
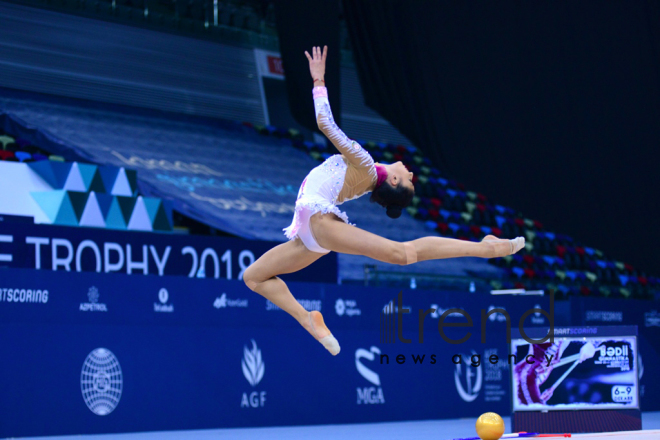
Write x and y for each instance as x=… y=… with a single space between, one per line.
x=551 y=261
x=235 y=150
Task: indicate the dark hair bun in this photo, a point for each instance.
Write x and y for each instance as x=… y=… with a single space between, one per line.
x=394 y=211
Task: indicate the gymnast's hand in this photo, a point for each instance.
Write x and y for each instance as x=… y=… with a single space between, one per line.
x=317 y=64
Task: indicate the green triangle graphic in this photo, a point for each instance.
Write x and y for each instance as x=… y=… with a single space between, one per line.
x=161 y=222
x=152 y=204
x=131 y=175
x=49 y=202
x=115 y=218
x=96 y=184
x=87 y=172
x=66 y=215
x=126 y=204
x=78 y=202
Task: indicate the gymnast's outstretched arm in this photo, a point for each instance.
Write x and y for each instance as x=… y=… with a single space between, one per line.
x=351 y=150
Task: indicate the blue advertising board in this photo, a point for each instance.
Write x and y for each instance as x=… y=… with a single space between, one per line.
x=75 y=249
x=120 y=353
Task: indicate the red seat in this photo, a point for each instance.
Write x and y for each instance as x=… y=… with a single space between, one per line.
x=561 y=250
x=4 y=155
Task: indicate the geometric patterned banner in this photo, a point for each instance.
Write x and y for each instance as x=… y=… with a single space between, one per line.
x=72 y=208
x=81 y=177
x=97 y=196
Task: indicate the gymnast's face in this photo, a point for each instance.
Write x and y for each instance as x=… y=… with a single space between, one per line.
x=399 y=175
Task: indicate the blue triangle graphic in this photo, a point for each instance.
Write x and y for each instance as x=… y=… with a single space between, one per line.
x=92 y=215
x=74 y=181
x=140 y=220
x=49 y=202
x=121 y=186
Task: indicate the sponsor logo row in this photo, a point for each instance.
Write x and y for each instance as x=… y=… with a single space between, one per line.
x=94 y=303
x=101 y=379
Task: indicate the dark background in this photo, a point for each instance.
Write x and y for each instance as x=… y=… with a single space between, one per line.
x=301 y=25
x=548 y=107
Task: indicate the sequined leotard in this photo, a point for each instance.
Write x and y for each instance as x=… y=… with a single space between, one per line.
x=340 y=178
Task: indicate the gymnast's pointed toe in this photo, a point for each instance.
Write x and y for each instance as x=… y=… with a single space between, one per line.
x=322 y=333
x=517 y=244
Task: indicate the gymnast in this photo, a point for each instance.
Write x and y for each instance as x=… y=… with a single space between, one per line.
x=319 y=227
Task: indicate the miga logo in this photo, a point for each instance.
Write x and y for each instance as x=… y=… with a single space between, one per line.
x=374 y=394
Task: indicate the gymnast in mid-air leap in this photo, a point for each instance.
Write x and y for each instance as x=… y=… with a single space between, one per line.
x=319 y=227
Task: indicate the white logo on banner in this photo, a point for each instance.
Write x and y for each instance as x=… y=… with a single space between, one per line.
x=347 y=307
x=93 y=294
x=439 y=311
x=93 y=305
x=163 y=296
x=471 y=390
x=496 y=316
x=374 y=394
x=308 y=304
x=652 y=319
x=253 y=370
x=223 y=302
x=340 y=307
x=23 y=295
x=101 y=381
x=538 y=317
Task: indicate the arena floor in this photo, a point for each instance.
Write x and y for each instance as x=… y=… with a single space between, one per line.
x=435 y=429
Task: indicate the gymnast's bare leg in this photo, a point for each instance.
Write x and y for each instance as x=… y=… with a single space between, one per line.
x=261 y=277
x=333 y=234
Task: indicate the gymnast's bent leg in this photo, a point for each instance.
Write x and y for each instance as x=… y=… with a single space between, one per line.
x=261 y=277
x=332 y=233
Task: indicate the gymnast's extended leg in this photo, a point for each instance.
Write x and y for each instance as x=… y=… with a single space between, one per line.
x=332 y=233
x=261 y=277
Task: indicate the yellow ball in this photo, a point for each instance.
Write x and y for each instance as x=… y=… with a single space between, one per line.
x=490 y=426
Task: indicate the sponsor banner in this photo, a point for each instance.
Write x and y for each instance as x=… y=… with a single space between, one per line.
x=190 y=353
x=643 y=314
x=577 y=372
x=71 y=249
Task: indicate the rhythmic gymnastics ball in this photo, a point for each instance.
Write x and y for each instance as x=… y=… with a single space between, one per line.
x=490 y=426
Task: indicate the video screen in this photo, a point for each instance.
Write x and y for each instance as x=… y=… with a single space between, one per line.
x=575 y=373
